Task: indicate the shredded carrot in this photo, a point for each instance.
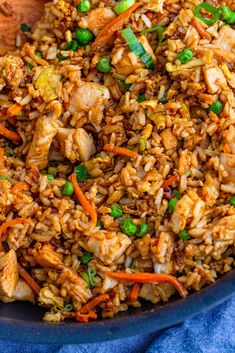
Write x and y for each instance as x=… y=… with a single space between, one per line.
x=120 y=150
x=1 y=156
x=108 y=31
x=149 y=278
x=11 y=223
x=20 y=186
x=26 y=276
x=169 y=181
x=14 y=109
x=85 y=317
x=135 y=292
x=9 y=134
x=93 y=303
x=83 y=200
x=200 y=29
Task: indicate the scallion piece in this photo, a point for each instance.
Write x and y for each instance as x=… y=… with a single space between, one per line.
x=228 y=16
x=159 y=30
x=123 y=5
x=209 y=8
x=137 y=48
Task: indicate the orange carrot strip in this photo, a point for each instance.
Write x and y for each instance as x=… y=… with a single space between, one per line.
x=26 y=276
x=135 y=292
x=108 y=31
x=11 y=223
x=149 y=278
x=14 y=109
x=20 y=186
x=93 y=303
x=9 y=134
x=120 y=150
x=169 y=181
x=83 y=200
x=200 y=29
x=85 y=317
x=1 y=156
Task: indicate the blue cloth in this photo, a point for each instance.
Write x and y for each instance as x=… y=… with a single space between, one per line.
x=210 y=332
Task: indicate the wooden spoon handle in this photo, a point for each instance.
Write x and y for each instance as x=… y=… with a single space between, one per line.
x=12 y=14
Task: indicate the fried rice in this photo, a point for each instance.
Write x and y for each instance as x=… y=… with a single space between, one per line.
x=117 y=180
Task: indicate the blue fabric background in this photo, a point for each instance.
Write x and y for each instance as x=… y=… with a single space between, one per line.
x=210 y=332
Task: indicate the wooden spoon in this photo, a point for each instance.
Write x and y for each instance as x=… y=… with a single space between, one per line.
x=12 y=14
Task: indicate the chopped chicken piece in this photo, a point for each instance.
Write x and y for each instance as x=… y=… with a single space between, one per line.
x=22 y=292
x=226 y=39
x=210 y=189
x=214 y=79
x=76 y=144
x=164 y=248
x=108 y=246
x=13 y=66
x=168 y=139
x=75 y=286
x=46 y=129
x=228 y=162
x=47 y=83
x=47 y=256
x=9 y=273
x=98 y=18
x=229 y=136
x=86 y=96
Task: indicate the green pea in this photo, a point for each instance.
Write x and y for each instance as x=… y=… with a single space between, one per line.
x=68 y=189
x=86 y=257
x=171 y=205
x=84 y=36
x=142 y=230
x=183 y=234
x=52 y=171
x=116 y=211
x=185 y=56
x=104 y=65
x=216 y=107
x=128 y=227
x=232 y=200
x=82 y=173
x=24 y=27
x=50 y=177
x=84 y=6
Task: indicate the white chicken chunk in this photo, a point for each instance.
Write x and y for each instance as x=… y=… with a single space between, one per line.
x=98 y=18
x=13 y=66
x=46 y=129
x=214 y=79
x=9 y=273
x=228 y=162
x=47 y=256
x=86 y=96
x=76 y=144
x=23 y=292
x=108 y=246
x=226 y=39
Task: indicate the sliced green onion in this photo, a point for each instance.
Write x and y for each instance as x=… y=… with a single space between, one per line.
x=183 y=234
x=227 y=15
x=142 y=145
x=163 y=100
x=185 y=56
x=100 y=224
x=50 y=177
x=209 y=8
x=52 y=171
x=125 y=85
x=141 y=98
x=62 y=57
x=3 y=177
x=159 y=30
x=82 y=173
x=72 y=45
x=232 y=200
x=88 y=276
x=177 y=194
x=137 y=48
x=123 y=5
x=116 y=211
x=86 y=257
x=29 y=65
x=24 y=27
x=171 y=205
x=39 y=54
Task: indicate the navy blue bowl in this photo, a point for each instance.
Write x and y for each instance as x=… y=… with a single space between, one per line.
x=22 y=322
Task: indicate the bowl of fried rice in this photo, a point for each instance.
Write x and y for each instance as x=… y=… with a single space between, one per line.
x=117 y=168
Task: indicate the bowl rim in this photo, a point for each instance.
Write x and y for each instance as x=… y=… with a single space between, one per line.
x=155 y=319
